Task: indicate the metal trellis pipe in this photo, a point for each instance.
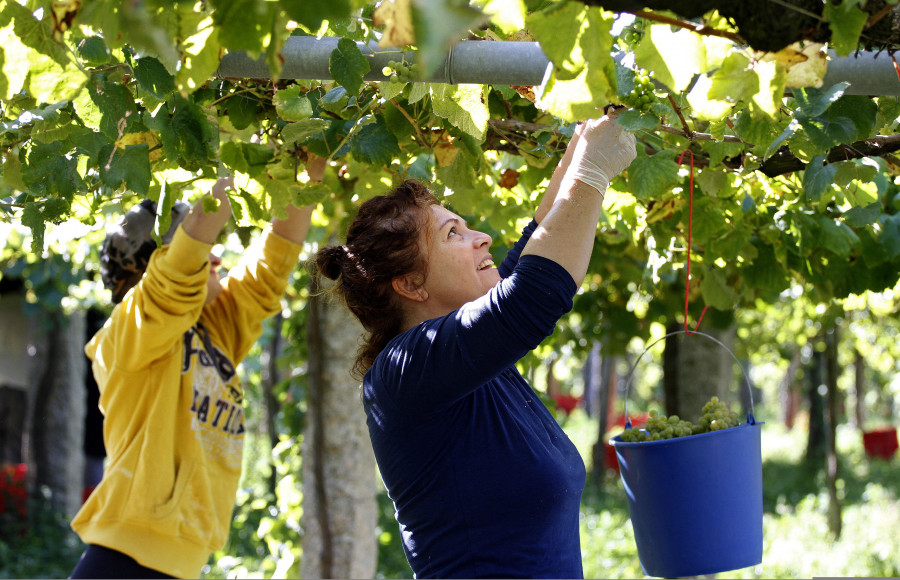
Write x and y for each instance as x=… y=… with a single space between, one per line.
x=511 y=63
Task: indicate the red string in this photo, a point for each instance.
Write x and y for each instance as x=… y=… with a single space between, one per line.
x=687 y=285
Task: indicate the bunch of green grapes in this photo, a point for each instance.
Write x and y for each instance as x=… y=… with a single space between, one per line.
x=400 y=71
x=631 y=35
x=716 y=417
x=641 y=96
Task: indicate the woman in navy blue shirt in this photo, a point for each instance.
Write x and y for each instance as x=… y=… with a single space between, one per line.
x=483 y=480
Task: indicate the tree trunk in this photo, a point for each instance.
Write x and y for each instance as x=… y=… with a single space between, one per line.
x=815 y=446
x=271 y=376
x=859 y=414
x=339 y=484
x=703 y=369
x=831 y=421
x=57 y=409
x=606 y=396
x=787 y=392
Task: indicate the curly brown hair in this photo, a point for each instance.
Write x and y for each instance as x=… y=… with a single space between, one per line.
x=382 y=244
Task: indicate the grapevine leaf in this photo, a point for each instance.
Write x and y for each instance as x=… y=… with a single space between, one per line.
x=51 y=172
x=813 y=102
x=558 y=29
x=311 y=14
x=32 y=218
x=242 y=110
x=846 y=22
x=200 y=51
x=93 y=50
x=460 y=178
x=188 y=137
x=390 y=90
x=721 y=150
x=765 y=273
x=11 y=174
x=837 y=238
x=130 y=166
x=398 y=123
x=116 y=104
x=859 y=109
x=786 y=135
x=91 y=145
x=704 y=107
x=825 y=133
x=713 y=183
x=634 y=120
x=716 y=292
x=817 y=178
x=508 y=15
x=890 y=236
x=576 y=99
x=311 y=193
x=292 y=104
x=771 y=90
x=650 y=177
x=863 y=216
x=302 y=130
x=418 y=92
x=243 y=24
x=335 y=100
x=348 y=66
x=13 y=59
x=153 y=77
x=733 y=79
x=465 y=106
x=247 y=158
x=375 y=144
x=673 y=56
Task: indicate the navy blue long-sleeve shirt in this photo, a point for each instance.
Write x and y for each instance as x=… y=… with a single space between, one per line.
x=484 y=481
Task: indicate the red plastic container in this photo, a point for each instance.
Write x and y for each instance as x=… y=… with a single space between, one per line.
x=881 y=443
x=12 y=488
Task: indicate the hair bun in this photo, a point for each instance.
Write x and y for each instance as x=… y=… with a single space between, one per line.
x=330 y=261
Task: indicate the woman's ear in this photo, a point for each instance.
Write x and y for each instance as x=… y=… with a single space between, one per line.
x=409 y=286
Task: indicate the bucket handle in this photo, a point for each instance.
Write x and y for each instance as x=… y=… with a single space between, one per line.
x=750 y=419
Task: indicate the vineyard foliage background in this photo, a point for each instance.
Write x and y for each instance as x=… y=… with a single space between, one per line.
x=105 y=102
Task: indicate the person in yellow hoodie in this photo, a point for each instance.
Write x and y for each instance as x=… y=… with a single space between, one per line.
x=165 y=364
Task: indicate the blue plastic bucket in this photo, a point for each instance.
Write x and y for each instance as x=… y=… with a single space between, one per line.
x=696 y=501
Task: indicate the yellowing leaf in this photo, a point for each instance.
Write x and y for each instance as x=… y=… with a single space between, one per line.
x=445 y=153
x=396 y=17
x=507 y=15
x=804 y=64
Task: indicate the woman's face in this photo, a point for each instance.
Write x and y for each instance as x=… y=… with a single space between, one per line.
x=460 y=266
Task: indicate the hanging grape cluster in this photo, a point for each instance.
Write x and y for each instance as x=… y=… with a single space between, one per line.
x=398 y=71
x=716 y=417
x=641 y=96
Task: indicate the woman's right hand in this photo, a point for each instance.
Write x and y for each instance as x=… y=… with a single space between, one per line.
x=604 y=150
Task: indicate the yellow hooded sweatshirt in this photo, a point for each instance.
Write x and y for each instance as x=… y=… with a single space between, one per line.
x=174 y=418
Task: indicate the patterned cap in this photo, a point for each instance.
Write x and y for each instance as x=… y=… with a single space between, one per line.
x=126 y=250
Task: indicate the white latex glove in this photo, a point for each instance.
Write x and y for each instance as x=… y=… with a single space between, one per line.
x=603 y=151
